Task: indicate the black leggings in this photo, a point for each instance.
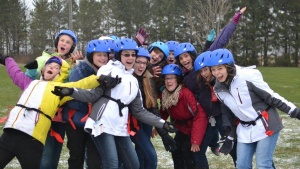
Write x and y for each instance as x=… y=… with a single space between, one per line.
x=15 y=143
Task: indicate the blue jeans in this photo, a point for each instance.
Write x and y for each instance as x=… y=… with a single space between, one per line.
x=263 y=149
x=112 y=148
x=144 y=147
x=52 y=148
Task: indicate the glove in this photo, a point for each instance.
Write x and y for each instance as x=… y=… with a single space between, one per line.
x=295 y=113
x=168 y=141
x=108 y=81
x=211 y=35
x=169 y=127
x=141 y=36
x=62 y=91
x=32 y=65
x=227 y=145
x=2 y=59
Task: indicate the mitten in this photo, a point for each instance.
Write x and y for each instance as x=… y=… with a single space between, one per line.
x=227 y=145
x=211 y=35
x=108 y=81
x=2 y=59
x=169 y=127
x=141 y=36
x=62 y=91
x=168 y=141
x=32 y=65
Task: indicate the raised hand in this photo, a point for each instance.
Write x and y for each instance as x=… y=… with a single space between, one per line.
x=108 y=81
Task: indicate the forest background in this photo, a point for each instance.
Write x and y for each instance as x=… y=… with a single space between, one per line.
x=267 y=35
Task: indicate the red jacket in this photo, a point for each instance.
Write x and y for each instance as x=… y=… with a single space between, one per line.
x=188 y=115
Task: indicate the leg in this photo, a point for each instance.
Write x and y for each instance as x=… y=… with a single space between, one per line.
x=145 y=149
x=200 y=157
x=107 y=149
x=93 y=157
x=126 y=152
x=265 y=151
x=245 y=152
x=52 y=148
x=76 y=145
x=7 y=141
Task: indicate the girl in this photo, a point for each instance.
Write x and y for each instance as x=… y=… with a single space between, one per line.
x=245 y=94
x=24 y=134
x=189 y=117
x=75 y=112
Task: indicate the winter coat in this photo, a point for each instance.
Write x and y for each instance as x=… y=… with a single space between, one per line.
x=107 y=115
x=37 y=105
x=189 y=117
x=81 y=70
x=248 y=97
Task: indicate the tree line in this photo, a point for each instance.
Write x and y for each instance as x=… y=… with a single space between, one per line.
x=267 y=35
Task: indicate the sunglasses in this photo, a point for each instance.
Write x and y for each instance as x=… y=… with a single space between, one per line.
x=127 y=55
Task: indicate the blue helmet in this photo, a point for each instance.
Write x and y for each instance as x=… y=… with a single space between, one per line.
x=172 y=69
x=110 y=41
x=143 y=53
x=161 y=46
x=184 y=47
x=96 y=46
x=114 y=37
x=220 y=57
x=125 y=44
x=69 y=33
x=202 y=60
x=172 y=45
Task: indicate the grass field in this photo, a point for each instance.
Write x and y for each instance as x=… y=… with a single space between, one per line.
x=285 y=81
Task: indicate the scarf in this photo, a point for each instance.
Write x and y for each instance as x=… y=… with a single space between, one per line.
x=170 y=98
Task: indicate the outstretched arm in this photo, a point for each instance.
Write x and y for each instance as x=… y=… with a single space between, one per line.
x=227 y=31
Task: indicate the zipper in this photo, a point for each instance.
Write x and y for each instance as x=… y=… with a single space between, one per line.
x=239 y=95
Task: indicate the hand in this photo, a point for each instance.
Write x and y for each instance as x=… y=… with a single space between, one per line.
x=108 y=81
x=243 y=10
x=195 y=148
x=141 y=36
x=77 y=55
x=211 y=35
x=169 y=127
x=226 y=130
x=227 y=145
x=154 y=133
x=2 y=59
x=62 y=91
x=295 y=113
x=32 y=65
x=156 y=71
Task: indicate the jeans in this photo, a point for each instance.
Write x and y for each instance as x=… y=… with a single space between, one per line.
x=144 y=147
x=263 y=149
x=114 y=148
x=52 y=148
x=81 y=145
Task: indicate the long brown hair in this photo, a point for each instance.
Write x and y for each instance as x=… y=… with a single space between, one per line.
x=149 y=96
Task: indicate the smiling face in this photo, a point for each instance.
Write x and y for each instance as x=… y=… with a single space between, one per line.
x=100 y=58
x=50 y=71
x=156 y=56
x=171 y=82
x=128 y=58
x=186 y=60
x=220 y=72
x=140 y=65
x=206 y=73
x=171 y=58
x=64 y=45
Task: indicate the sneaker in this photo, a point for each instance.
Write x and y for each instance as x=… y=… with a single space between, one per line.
x=215 y=150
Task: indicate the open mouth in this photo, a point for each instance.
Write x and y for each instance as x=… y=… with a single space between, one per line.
x=62 y=48
x=50 y=72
